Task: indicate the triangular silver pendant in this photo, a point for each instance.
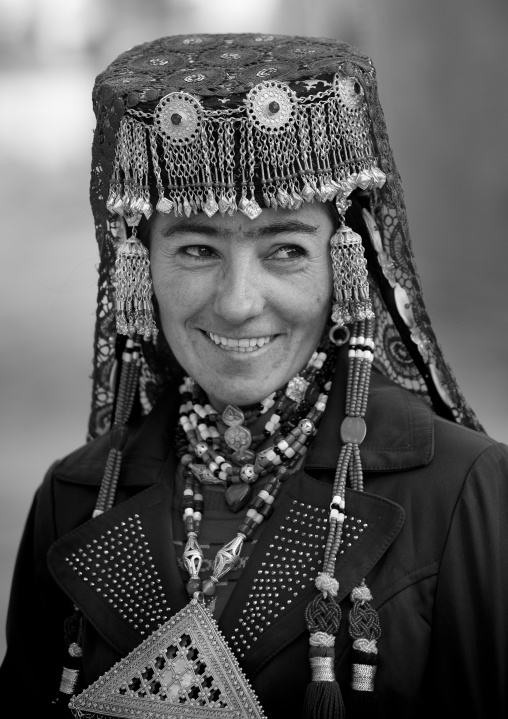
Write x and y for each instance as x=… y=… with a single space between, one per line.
x=184 y=669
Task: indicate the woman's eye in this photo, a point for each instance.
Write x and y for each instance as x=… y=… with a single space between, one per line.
x=288 y=252
x=199 y=251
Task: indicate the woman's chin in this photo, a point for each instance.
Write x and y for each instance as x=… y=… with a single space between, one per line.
x=239 y=397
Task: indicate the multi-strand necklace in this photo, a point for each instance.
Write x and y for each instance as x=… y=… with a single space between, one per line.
x=229 y=458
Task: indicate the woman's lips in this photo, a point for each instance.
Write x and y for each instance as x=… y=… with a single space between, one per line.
x=243 y=344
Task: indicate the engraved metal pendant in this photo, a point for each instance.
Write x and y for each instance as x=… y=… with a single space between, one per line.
x=204 y=475
x=184 y=669
x=237 y=437
x=296 y=389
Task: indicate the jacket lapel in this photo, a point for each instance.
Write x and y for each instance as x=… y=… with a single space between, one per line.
x=267 y=607
x=121 y=570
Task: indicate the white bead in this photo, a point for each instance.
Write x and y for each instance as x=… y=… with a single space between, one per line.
x=334 y=514
x=197 y=516
x=188 y=512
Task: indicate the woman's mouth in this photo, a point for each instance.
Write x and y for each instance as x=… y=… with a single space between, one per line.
x=244 y=344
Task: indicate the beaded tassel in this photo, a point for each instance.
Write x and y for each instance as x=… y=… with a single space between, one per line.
x=70 y=677
x=118 y=434
x=134 y=310
x=323 y=698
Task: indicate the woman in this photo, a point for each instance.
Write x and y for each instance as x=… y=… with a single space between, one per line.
x=276 y=440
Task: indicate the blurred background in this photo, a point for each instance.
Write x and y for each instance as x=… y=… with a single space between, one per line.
x=442 y=68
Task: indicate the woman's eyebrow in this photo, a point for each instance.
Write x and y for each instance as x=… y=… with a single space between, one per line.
x=185 y=227
x=283 y=227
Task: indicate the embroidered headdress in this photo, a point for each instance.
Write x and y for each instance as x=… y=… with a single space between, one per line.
x=227 y=123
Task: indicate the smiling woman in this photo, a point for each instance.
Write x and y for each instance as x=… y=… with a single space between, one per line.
x=280 y=460
x=243 y=308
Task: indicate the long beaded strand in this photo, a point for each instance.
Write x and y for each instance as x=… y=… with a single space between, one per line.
x=323 y=612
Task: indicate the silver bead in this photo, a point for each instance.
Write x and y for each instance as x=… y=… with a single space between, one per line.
x=200 y=449
x=306 y=426
x=247 y=473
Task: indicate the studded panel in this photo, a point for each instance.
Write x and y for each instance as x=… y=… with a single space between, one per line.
x=290 y=565
x=119 y=567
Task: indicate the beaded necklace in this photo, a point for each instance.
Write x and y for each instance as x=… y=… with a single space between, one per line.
x=307 y=395
x=228 y=459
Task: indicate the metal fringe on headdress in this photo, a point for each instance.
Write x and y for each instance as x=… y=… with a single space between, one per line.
x=295 y=148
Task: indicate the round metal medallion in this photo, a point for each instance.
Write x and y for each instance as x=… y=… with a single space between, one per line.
x=349 y=90
x=178 y=117
x=271 y=106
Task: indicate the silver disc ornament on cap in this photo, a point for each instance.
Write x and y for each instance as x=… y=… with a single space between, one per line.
x=178 y=117
x=271 y=106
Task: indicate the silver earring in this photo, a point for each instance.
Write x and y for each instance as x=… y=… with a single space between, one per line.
x=339 y=334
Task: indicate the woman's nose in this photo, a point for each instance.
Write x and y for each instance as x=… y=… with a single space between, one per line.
x=239 y=294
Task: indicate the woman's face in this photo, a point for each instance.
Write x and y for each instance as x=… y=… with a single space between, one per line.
x=243 y=303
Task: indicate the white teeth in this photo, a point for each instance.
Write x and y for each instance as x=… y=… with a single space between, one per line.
x=245 y=344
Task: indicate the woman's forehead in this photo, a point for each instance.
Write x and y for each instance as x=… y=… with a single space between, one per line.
x=307 y=220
